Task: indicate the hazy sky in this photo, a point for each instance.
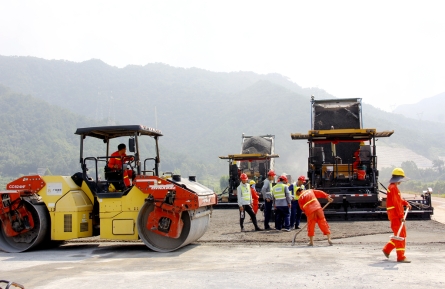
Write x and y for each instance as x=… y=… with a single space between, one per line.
x=386 y=52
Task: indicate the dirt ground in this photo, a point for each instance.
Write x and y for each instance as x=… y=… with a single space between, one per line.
x=224 y=228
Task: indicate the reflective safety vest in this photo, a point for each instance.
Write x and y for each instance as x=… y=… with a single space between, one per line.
x=278 y=191
x=295 y=188
x=245 y=192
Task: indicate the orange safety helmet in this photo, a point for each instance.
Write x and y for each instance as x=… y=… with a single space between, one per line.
x=283 y=179
x=301 y=178
x=271 y=173
x=243 y=177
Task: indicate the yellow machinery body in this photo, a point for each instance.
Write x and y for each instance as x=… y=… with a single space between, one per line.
x=166 y=212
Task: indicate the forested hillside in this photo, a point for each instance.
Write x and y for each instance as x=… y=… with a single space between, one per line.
x=202 y=114
x=36 y=135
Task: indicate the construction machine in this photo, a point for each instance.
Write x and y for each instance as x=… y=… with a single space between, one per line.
x=166 y=212
x=343 y=160
x=256 y=159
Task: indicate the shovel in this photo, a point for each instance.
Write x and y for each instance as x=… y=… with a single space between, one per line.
x=295 y=236
x=398 y=238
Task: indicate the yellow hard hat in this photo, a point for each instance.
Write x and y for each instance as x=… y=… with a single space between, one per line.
x=398 y=172
x=252 y=182
x=398 y=175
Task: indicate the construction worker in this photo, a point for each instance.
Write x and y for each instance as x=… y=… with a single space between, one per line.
x=266 y=191
x=281 y=203
x=394 y=208
x=356 y=162
x=314 y=212
x=245 y=203
x=295 y=210
x=116 y=160
x=255 y=197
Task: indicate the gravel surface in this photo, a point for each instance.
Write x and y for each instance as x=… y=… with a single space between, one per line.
x=224 y=228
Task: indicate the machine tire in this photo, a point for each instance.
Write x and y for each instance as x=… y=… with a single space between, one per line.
x=32 y=238
x=193 y=230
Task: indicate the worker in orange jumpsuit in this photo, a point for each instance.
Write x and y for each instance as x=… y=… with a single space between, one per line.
x=115 y=163
x=394 y=208
x=314 y=212
x=255 y=197
x=357 y=157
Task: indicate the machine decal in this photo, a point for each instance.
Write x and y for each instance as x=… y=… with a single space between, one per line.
x=163 y=187
x=54 y=189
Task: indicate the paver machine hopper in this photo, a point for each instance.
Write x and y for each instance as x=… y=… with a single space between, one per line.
x=256 y=159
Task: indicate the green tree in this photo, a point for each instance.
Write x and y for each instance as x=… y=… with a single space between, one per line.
x=224 y=182
x=438 y=164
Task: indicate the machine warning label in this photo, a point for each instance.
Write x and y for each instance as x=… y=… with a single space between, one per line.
x=54 y=189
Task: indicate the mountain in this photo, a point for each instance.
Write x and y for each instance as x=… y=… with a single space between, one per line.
x=37 y=135
x=202 y=114
x=427 y=109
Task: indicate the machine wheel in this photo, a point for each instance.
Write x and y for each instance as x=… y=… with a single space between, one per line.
x=192 y=231
x=32 y=238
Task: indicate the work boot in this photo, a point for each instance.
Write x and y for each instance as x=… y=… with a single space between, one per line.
x=258 y=229
x=329 y=239
x=386 y=254
x=404 y=261
x=243 y=230
x=297 y=228
x=311 y=241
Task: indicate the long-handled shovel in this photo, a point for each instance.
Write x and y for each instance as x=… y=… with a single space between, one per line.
x=398 y=238
x=295 y=236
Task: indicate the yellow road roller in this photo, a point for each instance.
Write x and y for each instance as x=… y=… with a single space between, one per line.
x=116 y=197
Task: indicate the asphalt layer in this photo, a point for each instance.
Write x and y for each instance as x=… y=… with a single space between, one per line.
x=227 y=258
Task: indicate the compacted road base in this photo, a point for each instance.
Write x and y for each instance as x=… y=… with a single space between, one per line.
x=131 y=265
x=227 y=258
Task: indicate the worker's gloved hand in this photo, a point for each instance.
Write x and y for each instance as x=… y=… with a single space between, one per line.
x=241 y=209
x=330 y=200
x=267 y=200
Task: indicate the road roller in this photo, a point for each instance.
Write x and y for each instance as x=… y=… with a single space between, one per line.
x=128 y=201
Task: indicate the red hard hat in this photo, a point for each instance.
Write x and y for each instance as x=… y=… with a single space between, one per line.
x=243 y=177
x=282 y=179
x=301 y=178
x=271 y=173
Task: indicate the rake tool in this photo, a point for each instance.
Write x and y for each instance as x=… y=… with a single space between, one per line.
x=295 y=236
x=398 y=238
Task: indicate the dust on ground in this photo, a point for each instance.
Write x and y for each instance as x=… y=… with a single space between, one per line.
x=224 y=228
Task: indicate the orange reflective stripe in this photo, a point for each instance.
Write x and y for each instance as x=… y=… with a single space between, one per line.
x=390 y=208
x=401 y=249
x=309 y=202
x=392 y=243
x=125 y=177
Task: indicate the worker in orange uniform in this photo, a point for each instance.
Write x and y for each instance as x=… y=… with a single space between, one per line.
x=357 y=157
x=394 y=208
x=314 y=212
x=116 y=160
x=255 y=197
x=245 y=203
